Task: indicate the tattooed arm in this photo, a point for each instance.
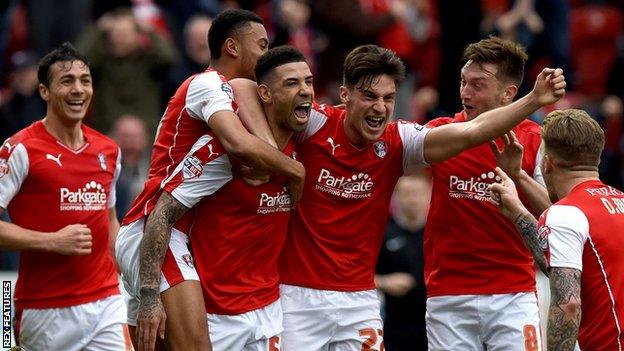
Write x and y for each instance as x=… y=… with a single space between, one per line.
x=151 y=313
x=527 y=226
x=505 y=196
x=564 y=315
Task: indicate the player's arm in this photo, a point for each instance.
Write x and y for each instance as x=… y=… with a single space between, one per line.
x=505 y=196
x=113 y=229
x=509 y=159
x=151 y=314
x=250 y=109
x=444 y=142
x=74 y=239
x=564 y=314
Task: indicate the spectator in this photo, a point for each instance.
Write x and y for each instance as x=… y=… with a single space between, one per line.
x=400 y=273
x=20 y=104
x=126 y=59
x=130 y=133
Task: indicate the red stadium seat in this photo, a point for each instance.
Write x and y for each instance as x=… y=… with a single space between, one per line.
x=593 y=33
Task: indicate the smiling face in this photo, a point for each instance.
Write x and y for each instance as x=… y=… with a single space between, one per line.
x=480 y=89
x=368 y=109
x=69 y=92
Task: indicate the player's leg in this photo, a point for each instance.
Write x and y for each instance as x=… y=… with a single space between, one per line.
x=309 y=318
x=187 y=326
x=453 y=323
x=110 y=332
x=360 y=324
x=511 y=322
x=268 y=328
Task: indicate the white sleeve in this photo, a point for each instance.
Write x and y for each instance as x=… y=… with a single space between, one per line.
x=13 y=171
x=413 y=138
x=112 y=199
x=208 y=94
x=193 y=179
x=537 y=172
x=568 y=230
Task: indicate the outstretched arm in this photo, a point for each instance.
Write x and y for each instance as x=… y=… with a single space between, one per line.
x=151 y=314
x=444 y=142
x=564 y=315
x=505 y=196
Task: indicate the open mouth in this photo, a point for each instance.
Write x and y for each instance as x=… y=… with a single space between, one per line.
x=76 y=104
x=468 y=108
x=302 y=111
x=375 y=121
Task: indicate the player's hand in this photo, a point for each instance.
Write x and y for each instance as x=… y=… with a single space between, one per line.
x=295 y=185
x=74 y=239
x=509 y=159
x=395 y=284
x=252 y=176
x=505 y=196
x=150 y=320
x=549 y=86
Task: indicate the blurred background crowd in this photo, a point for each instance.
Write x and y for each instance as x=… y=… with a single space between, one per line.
x=141 y=50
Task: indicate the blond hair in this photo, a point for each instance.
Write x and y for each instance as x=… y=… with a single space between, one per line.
x=573 y=137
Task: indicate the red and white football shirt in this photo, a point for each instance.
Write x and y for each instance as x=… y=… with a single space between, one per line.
x=470 y=247
x=338 y=226
x=47 y=186
x=236 y=239
x=184 y=122
x=585 y=231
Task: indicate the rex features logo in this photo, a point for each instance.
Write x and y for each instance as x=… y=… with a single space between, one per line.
x=357 y=186
x=472 y=188
x=272 y=203
x=91 y=197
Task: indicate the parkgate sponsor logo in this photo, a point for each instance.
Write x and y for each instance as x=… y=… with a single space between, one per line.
x=274 y=202
x=356 y=186
x=475 y=188
x=91 y=197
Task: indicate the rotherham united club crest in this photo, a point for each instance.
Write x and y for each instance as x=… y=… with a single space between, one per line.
x=188 y=259
x=102 y=158
x=542 y=237
x=4 y=167
x=380 y=149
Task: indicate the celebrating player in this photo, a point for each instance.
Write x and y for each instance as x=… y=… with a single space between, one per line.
x=474 y=260
x=354 y=158
x=581 y=234
x=203 y=103
x=58 y=177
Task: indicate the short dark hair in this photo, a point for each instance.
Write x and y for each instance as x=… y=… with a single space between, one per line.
x=366 y=62
x=276 y=57
x=506 y=54
x=226 y=25
x=66 y=52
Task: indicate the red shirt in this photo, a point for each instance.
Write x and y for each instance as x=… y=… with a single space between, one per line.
x=470 y=247
x=585 y=231
x=338 y=226
x=236 y=239
x=184 y=122
x=48 y=186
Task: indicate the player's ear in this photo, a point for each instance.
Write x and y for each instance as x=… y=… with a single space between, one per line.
x=344 y=94
x=509 y=93
x=231 y=47
x=264 y=93
x=547 y=164
x=44 y=92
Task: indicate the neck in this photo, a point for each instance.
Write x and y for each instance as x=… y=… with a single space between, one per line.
x=281 y=135
x=564 y=182
x=67 y=132
x=227 y=69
